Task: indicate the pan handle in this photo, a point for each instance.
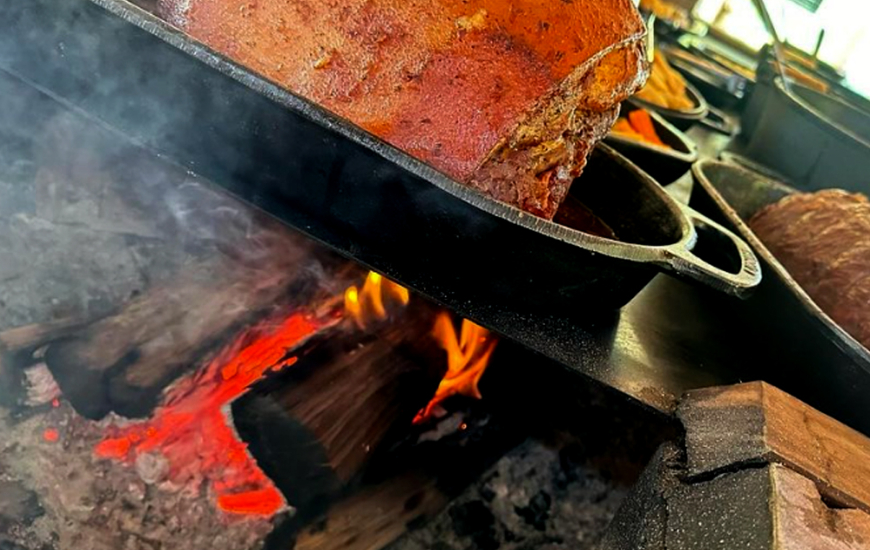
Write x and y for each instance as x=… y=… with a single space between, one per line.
x=686 y=264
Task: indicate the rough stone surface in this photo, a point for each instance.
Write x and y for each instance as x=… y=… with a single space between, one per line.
x=535 y=497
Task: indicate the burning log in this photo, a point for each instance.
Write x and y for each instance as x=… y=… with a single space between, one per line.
x=18 y=347
x=30 y=337
x=314 y=427
x=123 y=362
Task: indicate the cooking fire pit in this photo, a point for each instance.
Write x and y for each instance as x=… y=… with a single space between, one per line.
x=181 y=369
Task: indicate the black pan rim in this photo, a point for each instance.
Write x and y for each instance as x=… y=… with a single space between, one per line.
x=697 y=113
x=833 y=331
x=688 y=154
x=816 y=116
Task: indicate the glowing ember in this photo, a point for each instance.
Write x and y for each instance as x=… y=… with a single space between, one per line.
x=51 y=435
x=370 y=303
x=264 y=502
x=191 y=431
x=467 y=358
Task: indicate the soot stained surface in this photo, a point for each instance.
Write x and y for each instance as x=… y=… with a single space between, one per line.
x=537 y=496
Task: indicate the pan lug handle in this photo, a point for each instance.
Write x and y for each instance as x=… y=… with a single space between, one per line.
x=685 y=264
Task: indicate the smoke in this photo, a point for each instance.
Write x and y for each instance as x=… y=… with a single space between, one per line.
x=94 y=206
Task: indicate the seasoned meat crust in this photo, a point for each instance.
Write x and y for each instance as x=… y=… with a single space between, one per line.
x=823 y=240
x=508 y=96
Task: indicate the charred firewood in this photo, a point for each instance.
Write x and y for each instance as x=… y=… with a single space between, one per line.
x=123 y=362
x=314 y=427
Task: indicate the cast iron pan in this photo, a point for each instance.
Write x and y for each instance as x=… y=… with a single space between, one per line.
x=806 y=352
x=664 y=164
x=342 y=186
x=681 y=119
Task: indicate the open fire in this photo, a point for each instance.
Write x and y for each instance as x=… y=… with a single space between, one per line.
x=189 y=438
x=370 y=303
x=151 y=369
x=191 y=432
x=467 y=358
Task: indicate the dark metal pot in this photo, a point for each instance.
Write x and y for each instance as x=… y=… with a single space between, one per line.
x=816 y=140
x=664 y=164
x=719 y=87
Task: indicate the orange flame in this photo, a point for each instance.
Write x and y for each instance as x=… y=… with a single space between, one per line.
x=368 y=305
x=467 y=358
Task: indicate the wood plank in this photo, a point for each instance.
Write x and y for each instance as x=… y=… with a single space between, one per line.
x=373 y=518
x=761 y=471
x=755 y=423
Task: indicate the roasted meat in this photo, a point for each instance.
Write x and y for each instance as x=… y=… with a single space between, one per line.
x=507 y=96
x=823 y=240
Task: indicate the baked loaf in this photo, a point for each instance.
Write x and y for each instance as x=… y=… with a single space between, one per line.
x=508 y=96
x=823 y=240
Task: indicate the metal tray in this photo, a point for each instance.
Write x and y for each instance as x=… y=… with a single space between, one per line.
x=802 y=349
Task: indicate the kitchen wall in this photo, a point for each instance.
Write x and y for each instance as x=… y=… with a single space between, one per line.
x=846 y=24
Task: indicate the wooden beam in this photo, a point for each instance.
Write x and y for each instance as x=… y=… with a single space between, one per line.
x=752 y=508
x=756 y=423
x=124 y=361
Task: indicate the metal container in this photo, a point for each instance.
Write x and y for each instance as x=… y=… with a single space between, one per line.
x=721 y=87
x=799 y=347
x=681 y=119
x=816 y=140
x=664 y=164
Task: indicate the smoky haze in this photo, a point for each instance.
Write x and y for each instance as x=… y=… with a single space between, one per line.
x=152 y=85
x=93 y=211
